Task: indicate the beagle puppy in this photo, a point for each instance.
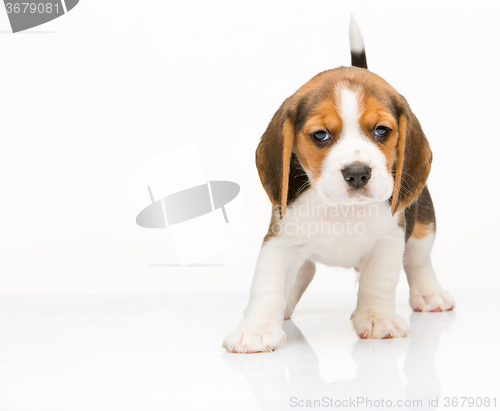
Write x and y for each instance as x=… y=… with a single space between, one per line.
x=344 y=162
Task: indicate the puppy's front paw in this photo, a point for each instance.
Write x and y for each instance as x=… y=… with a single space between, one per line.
x=253 y=338
x=382 y=325
x=434 y=301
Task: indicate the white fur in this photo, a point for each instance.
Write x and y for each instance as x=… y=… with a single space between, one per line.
x=353 y=147
x=302 y=280
x=355 y=37
x=425 y=292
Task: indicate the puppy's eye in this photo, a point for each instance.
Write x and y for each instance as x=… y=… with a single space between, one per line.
x=382 y=131
x=320 y=135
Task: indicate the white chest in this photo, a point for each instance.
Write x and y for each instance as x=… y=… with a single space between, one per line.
x=339 y=235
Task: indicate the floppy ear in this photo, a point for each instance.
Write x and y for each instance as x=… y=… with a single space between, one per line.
x=414 y=158
x=279 y=168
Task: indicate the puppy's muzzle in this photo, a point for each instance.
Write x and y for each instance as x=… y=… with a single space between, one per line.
x=357 y=176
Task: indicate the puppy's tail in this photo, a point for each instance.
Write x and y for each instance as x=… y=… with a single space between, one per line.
x=358 y=55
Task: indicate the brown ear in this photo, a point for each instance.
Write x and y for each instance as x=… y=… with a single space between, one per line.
x=414 y=158
x=279 y=168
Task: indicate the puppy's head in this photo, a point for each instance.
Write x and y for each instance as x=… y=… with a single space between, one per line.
x=350 y=136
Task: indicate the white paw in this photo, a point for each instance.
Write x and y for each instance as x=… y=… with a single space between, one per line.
x=382 y=325
x=252 y=338
x=434 y=301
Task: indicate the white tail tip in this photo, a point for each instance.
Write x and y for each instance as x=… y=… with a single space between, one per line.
x=355 y=37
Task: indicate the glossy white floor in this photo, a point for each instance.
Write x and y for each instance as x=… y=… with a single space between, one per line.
x=162 y=352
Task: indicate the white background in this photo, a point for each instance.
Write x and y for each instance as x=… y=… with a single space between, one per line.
x=90 y=96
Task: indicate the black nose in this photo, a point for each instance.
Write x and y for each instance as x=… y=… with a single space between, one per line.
x=357 y=176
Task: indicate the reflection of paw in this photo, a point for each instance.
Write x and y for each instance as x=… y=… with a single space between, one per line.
x=255 y=364
x=379 y=352
x=422 y=323
x=382 y=325
x=252 y=338
x=432 y=302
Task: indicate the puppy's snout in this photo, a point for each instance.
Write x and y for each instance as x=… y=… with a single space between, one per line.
x=357 y=175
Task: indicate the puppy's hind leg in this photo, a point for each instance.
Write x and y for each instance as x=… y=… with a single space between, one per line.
x=425 y=292
x=302 y=281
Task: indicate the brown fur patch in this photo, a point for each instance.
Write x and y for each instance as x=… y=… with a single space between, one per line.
x=420 y=212
x=325 y=118
x=376 y=114
x=400 y=155
x=421 y=230
x=413 y=161
x=273 y=157
x=288 y=137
